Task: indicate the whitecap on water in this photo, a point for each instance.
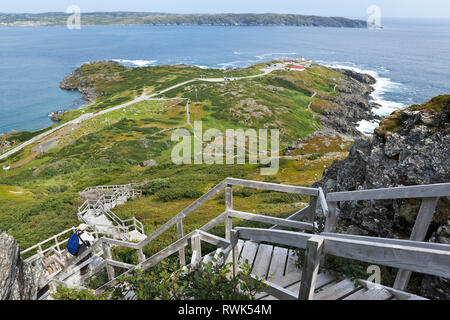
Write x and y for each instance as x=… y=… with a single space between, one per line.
x=135 y=63
x=383 y=86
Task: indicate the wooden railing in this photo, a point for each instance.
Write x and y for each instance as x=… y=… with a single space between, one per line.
x=427 y=258
x=389 y=252
x=228 y=215
x=429 y=194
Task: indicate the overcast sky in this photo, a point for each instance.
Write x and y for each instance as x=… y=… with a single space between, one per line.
x=344 y=8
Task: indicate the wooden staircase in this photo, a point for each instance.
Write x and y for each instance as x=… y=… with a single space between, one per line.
x=270 y=252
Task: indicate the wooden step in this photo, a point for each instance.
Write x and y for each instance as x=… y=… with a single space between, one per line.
x=338 y=290
x=371 y=294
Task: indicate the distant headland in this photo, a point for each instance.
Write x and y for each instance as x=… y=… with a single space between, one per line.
x=147 y=18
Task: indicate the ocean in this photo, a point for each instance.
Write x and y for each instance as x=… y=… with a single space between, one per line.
x=409 y=58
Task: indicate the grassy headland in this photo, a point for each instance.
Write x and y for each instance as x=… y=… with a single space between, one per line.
x=39 y=195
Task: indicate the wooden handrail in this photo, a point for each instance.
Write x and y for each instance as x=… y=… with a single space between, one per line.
x=407 y=255
x=422 y=191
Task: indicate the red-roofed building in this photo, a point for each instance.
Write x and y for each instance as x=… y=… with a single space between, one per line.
x=298 y=68
x=289 y=62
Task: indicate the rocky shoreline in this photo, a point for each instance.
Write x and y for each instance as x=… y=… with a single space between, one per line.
x=340 y=114
x=410 y=147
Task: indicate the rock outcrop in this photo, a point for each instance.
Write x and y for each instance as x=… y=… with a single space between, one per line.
x=352 y=104
x=18 y=280
x=410 y=147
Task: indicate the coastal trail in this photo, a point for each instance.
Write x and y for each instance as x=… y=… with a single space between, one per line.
x=84 y=117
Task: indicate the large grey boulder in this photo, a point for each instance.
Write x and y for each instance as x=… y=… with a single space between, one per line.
x=18 y=280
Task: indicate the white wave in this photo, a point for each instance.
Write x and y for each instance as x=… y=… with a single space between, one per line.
x=202 y=67
x=367 y=127
x=137 y=63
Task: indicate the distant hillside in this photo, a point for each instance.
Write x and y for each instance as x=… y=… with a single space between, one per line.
x=122 y=18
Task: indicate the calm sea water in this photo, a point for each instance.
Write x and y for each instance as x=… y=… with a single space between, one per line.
x=411 y=59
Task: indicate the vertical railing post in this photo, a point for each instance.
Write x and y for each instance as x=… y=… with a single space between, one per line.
x=331 y=221
x=40 y=252
x=180 y=234
x=141 y=256
x=314 y=248
x=228 y=206
x=312 y=209
x=235 y=252
x=108 y=256
x=196 y=251
x=57 y=245
x=418 y=233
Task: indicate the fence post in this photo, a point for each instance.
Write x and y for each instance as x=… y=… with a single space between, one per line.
x=235 y=251
x=311 y=266
x=108 y=256
x=312 y=209
x=418 y=233
x=196 y=251
x=141 y=256
x=228 y=206
x=180 y=234
x=57 y=245
x=331 y=221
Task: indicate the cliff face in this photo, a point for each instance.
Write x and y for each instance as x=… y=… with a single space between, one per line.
x=410 y=147
x=18 y=280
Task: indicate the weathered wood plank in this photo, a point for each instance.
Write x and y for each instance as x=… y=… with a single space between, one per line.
x=323 y=202
x=337 y=291
x=166 y=252
x=213 y=239
x=107 y=252
x=311 y=216
x=423 y=191
x=278 y=264
x=419 y=233
x=408 y=243
x=421 y=260
x=119 y=264
x=273 y=187
x=180 y=234
x=296 y=216
x=248 y=252
x=228 y=207
x=271 y=220
x=371 y=294
x=416 y=259
x=291 y=264
x=288 y=238
x=262 y=261
x=398 y=294
x=332 y=218
x=324 y=280
x=310 y=270
x=214 y=222
x=196 y=250
x=278 y=292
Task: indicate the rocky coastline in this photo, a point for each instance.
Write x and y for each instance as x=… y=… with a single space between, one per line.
x=410 y=147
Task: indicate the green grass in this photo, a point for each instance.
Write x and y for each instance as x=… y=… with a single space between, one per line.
x=110 y=149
